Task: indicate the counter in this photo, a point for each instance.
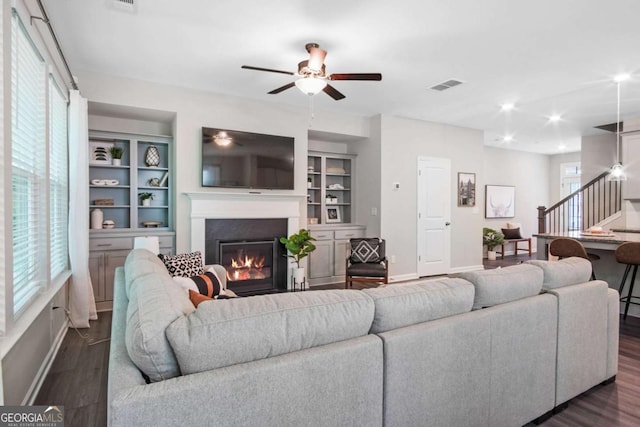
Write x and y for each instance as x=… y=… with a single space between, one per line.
x=606 y=268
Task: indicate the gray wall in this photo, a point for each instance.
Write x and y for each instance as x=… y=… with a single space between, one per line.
x=598 y=154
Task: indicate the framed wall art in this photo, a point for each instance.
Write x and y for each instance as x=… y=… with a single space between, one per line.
x=466 y=189
x=99 y=152
x=500 y=201
x=332 y=214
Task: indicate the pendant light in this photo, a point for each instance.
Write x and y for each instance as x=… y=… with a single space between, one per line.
x=617 y=171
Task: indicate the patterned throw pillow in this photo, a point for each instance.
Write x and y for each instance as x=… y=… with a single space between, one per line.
x=206 y=283
x=183 y=265
x=367 y=250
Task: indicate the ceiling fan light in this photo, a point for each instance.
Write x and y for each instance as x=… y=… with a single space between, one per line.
x=222 y=139
x=310 y=85
x=617 y=173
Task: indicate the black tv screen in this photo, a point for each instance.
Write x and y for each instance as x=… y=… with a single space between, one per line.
x=236 y=159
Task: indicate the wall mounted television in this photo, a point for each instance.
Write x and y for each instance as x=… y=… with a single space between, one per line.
x=237 y=159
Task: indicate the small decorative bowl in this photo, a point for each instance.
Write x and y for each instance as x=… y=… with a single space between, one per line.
x=107 y=223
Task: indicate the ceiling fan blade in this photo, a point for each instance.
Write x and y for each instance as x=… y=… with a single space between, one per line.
x=249 y=67
x=281 y=88
x=356 y=76
x=333 y=92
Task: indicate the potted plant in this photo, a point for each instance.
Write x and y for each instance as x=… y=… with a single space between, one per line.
x=331 y=199
x=146 y=198
x=298 y=246
x=116 y=155
x=491 y=238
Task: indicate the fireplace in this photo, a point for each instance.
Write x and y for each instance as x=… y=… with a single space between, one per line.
x=250 y=251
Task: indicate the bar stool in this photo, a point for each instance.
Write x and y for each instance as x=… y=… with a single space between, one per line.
x=628 y=253
x=565 y=247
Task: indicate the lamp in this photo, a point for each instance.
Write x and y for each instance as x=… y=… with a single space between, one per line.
x=222 y=139
x=617 y=170
x=311 y=85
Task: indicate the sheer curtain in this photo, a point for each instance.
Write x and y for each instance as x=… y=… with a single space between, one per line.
x=82 y=305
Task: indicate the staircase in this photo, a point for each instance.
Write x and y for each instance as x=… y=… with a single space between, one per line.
x=587 y=206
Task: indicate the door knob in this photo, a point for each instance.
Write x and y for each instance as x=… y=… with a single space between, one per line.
x=447 y=224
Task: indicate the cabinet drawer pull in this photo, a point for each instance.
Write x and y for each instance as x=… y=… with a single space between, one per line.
x=349 y=234
x=104 y=244
x=322 y=235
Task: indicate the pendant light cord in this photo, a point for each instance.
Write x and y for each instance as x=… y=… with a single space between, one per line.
x=618 y=128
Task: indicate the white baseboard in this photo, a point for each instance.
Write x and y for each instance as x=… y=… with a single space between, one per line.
x=402 y=277
x=466 y=268
x=46 y=366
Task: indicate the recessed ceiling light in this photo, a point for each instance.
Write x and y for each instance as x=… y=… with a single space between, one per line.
x=555 y=118
x=508 y=138
x=507 y=106
x=562 y=147
x=621 y=77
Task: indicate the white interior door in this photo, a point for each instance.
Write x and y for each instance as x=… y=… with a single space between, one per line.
x=434 y=215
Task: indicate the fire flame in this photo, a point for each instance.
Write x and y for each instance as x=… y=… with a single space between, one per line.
x=246 y=268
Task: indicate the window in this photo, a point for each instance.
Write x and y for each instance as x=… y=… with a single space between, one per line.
x=39 y=172
x=58 y=179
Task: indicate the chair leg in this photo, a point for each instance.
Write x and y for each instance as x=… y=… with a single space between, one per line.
x=633 y=281
x=624 y=278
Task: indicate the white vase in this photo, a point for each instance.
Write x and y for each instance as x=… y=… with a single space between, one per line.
x=146 y=202
x=96 y=219
x=116 y=162
x=491 y=255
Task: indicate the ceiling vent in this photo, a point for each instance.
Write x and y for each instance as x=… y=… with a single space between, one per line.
x=126 y=5
x=446 y=85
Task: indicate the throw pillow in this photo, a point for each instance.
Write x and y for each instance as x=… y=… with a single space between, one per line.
x=206 y=283
x=511 y=233
x=513 y=225
x=183 y=265
x=367 y=250
x=196 y=297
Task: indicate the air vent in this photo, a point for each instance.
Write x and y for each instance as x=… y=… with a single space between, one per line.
x=446 y=85
x=127 y=5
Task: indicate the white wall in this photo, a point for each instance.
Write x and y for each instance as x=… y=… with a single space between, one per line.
x=529 y=173
x=402 y=142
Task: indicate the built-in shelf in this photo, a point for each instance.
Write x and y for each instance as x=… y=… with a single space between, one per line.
x=341 y=167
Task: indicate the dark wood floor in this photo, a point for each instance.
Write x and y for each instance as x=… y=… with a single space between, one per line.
x=78 y=378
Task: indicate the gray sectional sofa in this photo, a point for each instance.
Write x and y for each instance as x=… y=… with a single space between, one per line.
x=492 y=348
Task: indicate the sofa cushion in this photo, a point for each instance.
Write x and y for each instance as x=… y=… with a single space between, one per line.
x=565 y=272
x=401 y=305
x=145 y=262
x=154 y=302
x=183 y=265
x=502 y=285
x=240 y=330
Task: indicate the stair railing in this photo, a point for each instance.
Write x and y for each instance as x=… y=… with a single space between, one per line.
x=585 y=207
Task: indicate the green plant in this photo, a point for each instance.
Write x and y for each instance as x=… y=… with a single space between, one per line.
x=298 y=245
x=116 y=152
x=145 y=196
x=492 y=238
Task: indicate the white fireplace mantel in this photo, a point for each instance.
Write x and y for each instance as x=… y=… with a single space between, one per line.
x=229 y=205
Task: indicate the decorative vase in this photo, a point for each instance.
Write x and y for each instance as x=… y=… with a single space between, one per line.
x=152 y=156
x=116 y=162
x=146 y=202
x=491 y=255
x=96 y=219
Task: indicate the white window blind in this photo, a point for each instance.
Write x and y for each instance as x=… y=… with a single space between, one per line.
x=28 y=157
x=58 y=179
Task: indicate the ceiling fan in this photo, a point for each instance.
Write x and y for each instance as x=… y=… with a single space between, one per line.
x=313 y=78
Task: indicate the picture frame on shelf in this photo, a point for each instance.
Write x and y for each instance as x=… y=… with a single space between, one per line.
x=332 y=214
x=466 y=189
x=99 y=152
x=500 y=201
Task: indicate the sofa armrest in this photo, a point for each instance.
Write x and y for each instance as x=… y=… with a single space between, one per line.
x=613 y=332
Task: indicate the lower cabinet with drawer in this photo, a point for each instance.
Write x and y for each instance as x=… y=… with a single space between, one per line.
x=327 y=263
x=106 y=253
